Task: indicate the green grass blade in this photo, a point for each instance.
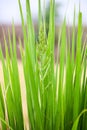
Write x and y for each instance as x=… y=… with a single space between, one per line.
x=2 y=109
x=60 y=107
x=75 y=125
x=39 y=14
x=76 y=107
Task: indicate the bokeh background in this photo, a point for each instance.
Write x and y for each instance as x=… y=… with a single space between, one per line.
x=9 y=11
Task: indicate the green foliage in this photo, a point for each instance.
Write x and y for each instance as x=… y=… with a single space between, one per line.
x=56 y=93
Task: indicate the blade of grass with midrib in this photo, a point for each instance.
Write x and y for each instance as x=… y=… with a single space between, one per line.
x=16 y=84
x=76 y=107
x=84 y=91
x=30 y=32
x=68 y=91
x=60 y=103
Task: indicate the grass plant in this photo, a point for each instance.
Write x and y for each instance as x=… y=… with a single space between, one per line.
x=56 y=96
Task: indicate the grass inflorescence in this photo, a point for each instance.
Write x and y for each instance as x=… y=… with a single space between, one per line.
x=56 y=93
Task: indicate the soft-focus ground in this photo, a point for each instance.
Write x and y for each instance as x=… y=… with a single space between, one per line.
x=23 y=92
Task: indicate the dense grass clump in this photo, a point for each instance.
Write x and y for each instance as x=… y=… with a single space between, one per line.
x=56 y=96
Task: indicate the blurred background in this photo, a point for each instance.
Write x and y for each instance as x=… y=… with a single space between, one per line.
x=9 y=11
